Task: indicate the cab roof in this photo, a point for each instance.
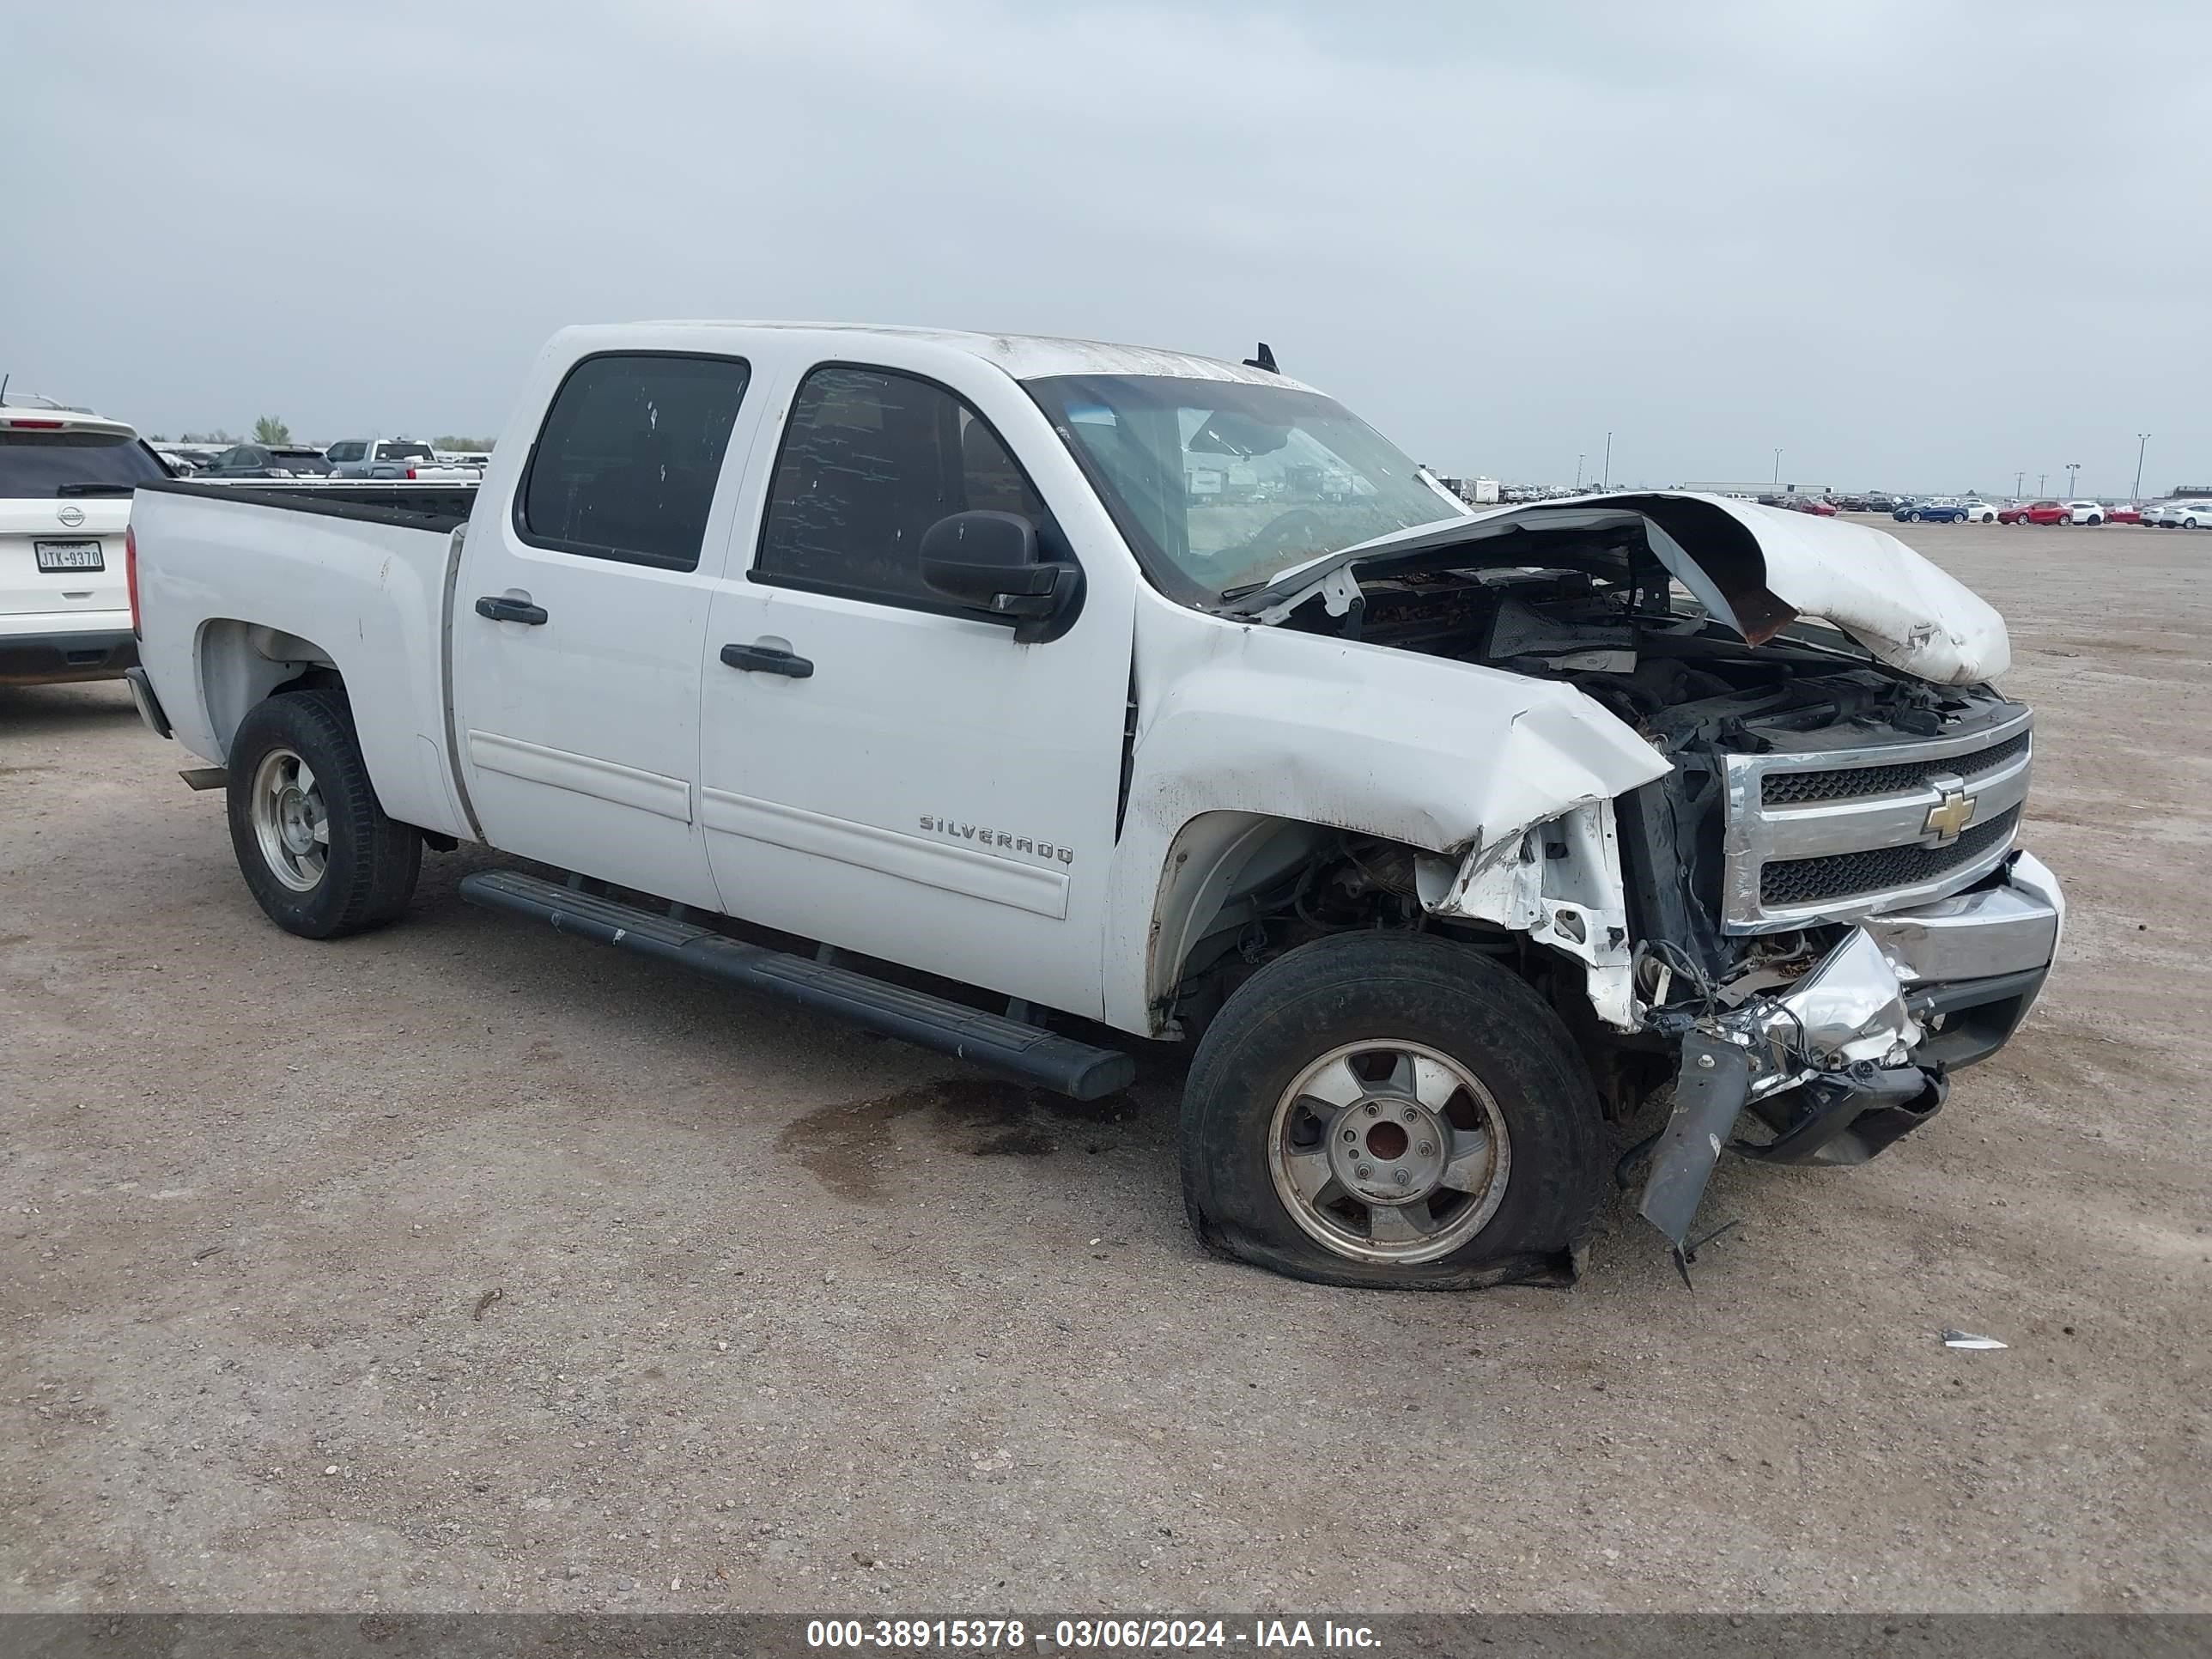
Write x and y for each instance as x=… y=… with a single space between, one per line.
x=1023 y=357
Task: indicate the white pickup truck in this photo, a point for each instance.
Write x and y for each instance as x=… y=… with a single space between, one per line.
x=1449 y=838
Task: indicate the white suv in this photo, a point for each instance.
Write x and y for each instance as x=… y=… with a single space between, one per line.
x=66 y=477
x=2085 y=512
x=2180 y=516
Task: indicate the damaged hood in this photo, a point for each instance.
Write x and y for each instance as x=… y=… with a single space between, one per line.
x=1754 y=569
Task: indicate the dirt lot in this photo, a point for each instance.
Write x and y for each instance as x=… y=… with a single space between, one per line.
x=790 y=1318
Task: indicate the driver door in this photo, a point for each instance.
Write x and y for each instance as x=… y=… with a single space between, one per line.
x=880 y=769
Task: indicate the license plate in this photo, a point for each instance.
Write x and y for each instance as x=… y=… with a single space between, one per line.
x=70 y=556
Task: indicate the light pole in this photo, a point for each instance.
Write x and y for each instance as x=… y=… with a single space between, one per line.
x=2142 y=439
x=1578 y=471
x=1606 y=482
x=2018 y=479
x=2042 y=481
x=2072 y=467
x=1777 y=469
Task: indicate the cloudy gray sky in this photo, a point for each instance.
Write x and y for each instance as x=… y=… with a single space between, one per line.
x=1921 y=245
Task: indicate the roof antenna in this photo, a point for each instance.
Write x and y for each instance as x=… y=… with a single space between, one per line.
x=4 y=379
x=1265 y=362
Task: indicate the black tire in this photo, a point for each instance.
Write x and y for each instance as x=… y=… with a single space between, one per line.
x=371 y=862
x=1354 y=987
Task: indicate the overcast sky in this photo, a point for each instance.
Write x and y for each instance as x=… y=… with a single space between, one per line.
x=1924 y=245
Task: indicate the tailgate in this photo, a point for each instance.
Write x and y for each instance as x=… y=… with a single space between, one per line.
x=59 y=558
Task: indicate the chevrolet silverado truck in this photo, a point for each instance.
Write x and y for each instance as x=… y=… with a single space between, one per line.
x=906 y=675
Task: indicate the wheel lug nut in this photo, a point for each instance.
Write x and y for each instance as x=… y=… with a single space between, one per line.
x=1412 y=1116
x=1352 y=1134
x=1372 y=1109
x=1362 y=1172
x=1424 y=1149
x=1405 y=1177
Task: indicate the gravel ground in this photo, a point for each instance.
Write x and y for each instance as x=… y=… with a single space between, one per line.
x=463 y=1265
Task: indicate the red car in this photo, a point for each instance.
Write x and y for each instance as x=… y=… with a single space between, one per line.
x=2036 y=512
x=2124 y=516
x=1807 y=504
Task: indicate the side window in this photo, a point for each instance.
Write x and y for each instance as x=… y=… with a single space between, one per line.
x=626 y=464
x=870 y=459
x=339 y=454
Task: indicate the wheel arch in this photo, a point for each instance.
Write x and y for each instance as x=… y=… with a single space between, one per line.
x=240 y=663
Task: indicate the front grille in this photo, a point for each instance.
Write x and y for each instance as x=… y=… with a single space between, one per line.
x=1854 y=782
x=1787 y=883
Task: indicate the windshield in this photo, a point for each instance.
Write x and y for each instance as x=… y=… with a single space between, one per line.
x=402 y=450
x=1222 y=483
x=38 y=464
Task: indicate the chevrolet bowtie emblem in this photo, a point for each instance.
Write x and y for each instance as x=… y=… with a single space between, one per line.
x=1954 y=814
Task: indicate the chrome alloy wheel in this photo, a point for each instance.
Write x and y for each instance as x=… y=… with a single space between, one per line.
x=290 y=823
x=1389 y=1151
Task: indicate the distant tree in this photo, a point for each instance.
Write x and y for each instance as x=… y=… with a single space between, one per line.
x=217 y=436
x=271 y=430
x=449 y=441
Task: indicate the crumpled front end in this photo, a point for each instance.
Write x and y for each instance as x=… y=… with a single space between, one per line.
x=1858 y=1051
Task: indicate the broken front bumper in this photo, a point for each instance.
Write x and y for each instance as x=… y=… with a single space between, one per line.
x=1858 y=1052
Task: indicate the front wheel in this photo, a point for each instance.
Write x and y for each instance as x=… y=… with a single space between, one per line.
x=1391 y=1110
x=1912 y=518
x=317 y=851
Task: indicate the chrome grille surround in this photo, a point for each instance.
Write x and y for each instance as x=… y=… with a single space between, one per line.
x=1811 y=817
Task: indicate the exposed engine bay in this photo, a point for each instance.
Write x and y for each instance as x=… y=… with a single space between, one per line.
x=1594 y=608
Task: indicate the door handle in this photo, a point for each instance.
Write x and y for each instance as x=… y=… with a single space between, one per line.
x=500 y=608
x=767 y=660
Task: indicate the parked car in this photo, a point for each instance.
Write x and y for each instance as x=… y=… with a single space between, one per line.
x=185 y=459
x=2126 y=513
x=1811 y=504
x=741 y=614
x=66 y=478
x=394 y=458
x=2037 y=513
x=268 y=461
x=1879 y=501
x=2182 y=515
x=2085 y=512
x=1937 y=509
x=1980 y=512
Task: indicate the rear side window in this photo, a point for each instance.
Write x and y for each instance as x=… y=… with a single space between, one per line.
x=870 y=460
x=626 y=464
x=34 y=465
x=351 y=451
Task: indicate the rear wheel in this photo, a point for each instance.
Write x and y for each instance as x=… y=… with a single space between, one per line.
x=317 y=853
x=1394 y=1111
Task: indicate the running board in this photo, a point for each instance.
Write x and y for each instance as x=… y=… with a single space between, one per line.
x=1028 y=1052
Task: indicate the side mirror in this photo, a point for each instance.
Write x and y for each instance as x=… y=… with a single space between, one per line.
x=989 y=561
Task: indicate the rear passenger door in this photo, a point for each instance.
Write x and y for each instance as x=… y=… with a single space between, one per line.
x=580 y=614
x=879 y=769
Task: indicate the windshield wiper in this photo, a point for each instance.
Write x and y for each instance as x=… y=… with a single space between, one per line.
x=94 y=488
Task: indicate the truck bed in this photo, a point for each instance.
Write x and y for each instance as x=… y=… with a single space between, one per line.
x=438 y=506
x=246 y=586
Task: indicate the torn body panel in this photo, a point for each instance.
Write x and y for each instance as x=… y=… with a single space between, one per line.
x=1754 y=569
x=1559 y=882
x=1434 y=755
x=1848 y=1059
